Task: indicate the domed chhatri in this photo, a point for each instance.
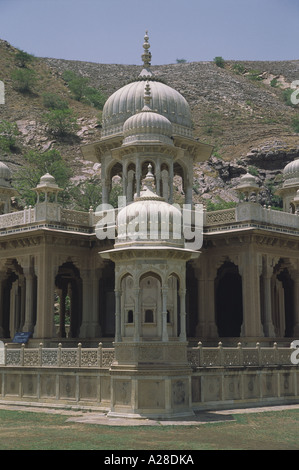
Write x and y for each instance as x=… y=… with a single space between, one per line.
x=149 y=220
x=128 y=101
x=247 y=186
x=47 y=186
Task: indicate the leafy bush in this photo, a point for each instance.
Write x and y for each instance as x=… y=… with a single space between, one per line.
x=86 y=194
x=286 y=95
x=238 y=68
x=8 y=133
x=22 y=58
x=53 y=101
x=181 y=61
x=295 y=123
x=82 y=92
x=24 y=80
x=94 y=97
x=219 y=61
x=61 y=122
x=217 y=206
x=255 y=75
x=274 y=82
x=252 y=170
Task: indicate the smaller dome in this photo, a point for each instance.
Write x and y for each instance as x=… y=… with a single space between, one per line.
x=291 y=173
x=47 y=178
x=149 y=220
x=5 y=172
x=147 y=125
x=247 y=178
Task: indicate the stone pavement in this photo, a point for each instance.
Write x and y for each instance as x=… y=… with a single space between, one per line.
x=99 y=417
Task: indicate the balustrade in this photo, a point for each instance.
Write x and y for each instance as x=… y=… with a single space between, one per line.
x=198 y=356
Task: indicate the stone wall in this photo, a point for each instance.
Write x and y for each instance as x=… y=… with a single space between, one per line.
x=212 y=387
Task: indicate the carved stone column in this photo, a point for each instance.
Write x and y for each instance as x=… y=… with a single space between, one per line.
x=164 y=313
x=267 y=298
x=45 y=273
x=29 y=300
x=117 y=316
x=137 y=314
x=250 y=271
x=183 y=336
x=90 y=327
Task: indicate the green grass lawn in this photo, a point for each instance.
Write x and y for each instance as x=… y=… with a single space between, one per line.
x=24 y=430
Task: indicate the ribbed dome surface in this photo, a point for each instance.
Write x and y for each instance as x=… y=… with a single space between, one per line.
x=129 y=100
x=150 y=220
x=147 y=125
x=5 y=172
x=291 y=173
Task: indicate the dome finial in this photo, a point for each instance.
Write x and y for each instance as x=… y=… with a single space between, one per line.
x=149 y=180
x=146 y=56
x=147 y=95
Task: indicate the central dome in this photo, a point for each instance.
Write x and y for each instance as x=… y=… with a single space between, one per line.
x=128 y=101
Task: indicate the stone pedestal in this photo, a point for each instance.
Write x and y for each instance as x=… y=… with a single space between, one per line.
x=151 y=380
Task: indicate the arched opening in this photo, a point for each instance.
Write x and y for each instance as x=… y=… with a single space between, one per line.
x=115 y=184
x=173 y=305
x=131 y=186
x=179 y=189
x=127 y=305
x=228 y=300
x=13 y=298
x=68 y=285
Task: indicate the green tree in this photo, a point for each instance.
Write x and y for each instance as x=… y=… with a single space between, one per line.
x=8 y=134
x=181 y=61
x=53 y=101
x=86 y=194
x=81 y=91
x=219 y=61
x=78 y=86
x=24 y=80
x=94 y=97
x=36 y=165
x=116 y=191
x=22 y=58
x=61 y=122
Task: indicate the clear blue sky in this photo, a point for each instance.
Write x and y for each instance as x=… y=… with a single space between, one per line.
x=111 y=31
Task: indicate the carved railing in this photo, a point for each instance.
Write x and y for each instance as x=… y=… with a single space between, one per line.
x=13 y=219
x=225 y=216
x=198 y=357
x=46 y=213
x=58 y=357
x=239 y=356
x=71 y=217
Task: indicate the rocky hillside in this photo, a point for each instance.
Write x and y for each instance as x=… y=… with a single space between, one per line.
x=239 y=109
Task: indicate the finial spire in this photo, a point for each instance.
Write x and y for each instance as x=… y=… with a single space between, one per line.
x=146 y=56
x=149 y=179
